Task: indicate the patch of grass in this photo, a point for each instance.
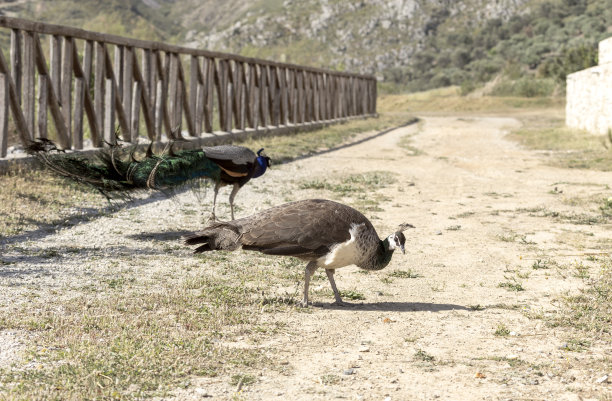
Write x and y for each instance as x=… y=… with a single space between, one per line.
x=571 y=148
x=507 y=237
x=282 y=149
x=421 y=355
x=404 y=274
x=502 y=330
x=240 y=380
x=577 y=345
x=511 y=285
x=449 y=99
x=353 y=295
x=540 y=264
x=353 y=183
x=136 y=343
x=33 y=199
x=589 y=309
x=329 y=379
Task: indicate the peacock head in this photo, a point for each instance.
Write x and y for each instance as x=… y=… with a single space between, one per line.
x=263 y=162
x=398 y=239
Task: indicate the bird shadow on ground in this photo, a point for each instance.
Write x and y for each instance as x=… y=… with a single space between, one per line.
x=393 y=306
x=160 y=236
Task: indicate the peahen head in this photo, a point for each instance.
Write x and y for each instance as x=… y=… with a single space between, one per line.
x=398 y=239
x=263 y=162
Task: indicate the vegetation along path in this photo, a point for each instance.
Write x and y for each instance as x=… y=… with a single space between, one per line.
x=478 y=307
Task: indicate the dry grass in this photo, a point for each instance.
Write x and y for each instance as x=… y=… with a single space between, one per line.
x=126 y=339
x=286 y=148
x=450 y=100
x=31 y=200
x=570 y=148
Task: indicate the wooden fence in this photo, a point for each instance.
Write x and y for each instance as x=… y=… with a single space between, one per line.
x=142 y=86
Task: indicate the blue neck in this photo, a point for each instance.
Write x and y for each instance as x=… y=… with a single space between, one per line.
x=260 y=166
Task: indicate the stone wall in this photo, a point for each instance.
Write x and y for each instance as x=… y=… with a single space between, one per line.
x=589 y=94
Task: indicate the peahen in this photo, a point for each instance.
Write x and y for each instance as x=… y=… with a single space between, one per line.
x=116 y=170
x=327 y=234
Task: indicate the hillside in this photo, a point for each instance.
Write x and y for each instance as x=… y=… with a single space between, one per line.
x=408 y=44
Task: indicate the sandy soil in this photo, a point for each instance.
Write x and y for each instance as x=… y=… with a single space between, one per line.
x=469 y=192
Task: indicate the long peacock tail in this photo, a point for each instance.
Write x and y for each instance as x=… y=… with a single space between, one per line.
x=116 y=168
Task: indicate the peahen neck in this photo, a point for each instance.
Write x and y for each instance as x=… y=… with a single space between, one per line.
x=383 y=255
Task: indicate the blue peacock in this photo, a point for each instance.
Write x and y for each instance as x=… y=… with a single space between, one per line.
x=116 y=170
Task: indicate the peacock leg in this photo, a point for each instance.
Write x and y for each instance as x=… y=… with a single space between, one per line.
x=232 y=196
x=310 y=269
x=330 y=276
x=217 y=186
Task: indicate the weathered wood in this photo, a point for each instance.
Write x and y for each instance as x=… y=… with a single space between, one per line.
x=209 y=79
x=29 y=81
x=273 y=97
x=79 y=89
x=264 y=94
x=118 y=70
x=66 y=85
x=243 y=91
x=301 y=99
x=127 y=83
x=117 y=105
x=292 y=93
x=42 y=106
x=251 y=95
x=193 y=92
x=63 y=135
x=145 y=99
x=200 y=97
x=4 y=114
x=184 y=105
x=153 y=78
x=109 y=112
x=16 y=60
x=237 y=81
x=135 y=112
x=99 y=88
x=282 y=75
x=92 y=118
x=22 y=127
x=221 y=86
x=173 y=100
x=55 y=63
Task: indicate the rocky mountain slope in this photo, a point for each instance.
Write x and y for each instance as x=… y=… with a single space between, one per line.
x=408 y=44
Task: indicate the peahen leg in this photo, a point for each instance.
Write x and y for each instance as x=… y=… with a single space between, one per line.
x=310 y=269
x=232 y=196
x=330 y=276
x=217 y=186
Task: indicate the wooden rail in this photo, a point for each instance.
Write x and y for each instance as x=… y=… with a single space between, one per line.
x=143 y=86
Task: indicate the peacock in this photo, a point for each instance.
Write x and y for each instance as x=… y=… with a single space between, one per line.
x=324 y=233
x=115 y=170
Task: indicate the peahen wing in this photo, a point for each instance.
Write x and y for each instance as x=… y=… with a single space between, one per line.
x=231 y=158
x=306 y=229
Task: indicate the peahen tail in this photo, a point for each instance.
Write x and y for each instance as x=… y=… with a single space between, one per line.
x=116 y=168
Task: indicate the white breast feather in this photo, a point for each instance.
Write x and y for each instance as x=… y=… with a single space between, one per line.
x=344 y=253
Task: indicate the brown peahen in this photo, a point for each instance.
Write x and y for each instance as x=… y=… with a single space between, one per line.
x=324 y=233
x=115 y=170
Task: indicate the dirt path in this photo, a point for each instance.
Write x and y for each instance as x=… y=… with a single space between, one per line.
x=426 y=338
x=482 y=208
